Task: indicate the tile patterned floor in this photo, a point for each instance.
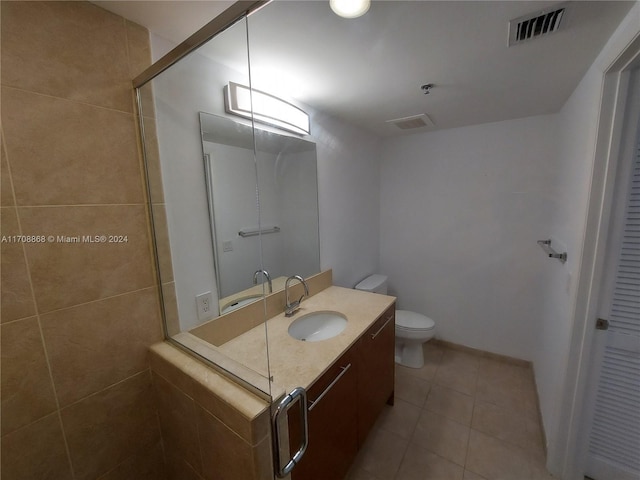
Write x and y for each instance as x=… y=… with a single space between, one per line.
x=460 y=417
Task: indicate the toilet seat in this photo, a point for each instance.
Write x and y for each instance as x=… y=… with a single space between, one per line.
x=412 y=321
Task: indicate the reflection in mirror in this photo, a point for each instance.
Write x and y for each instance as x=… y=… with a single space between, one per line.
x=169 y=105
x=286 y=236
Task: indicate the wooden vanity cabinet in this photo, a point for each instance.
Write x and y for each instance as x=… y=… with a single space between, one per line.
x=333 y=439
x=375 y=363
x=345 y=402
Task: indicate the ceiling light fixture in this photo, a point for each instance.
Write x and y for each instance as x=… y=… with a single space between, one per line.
x=350 y=8
x=265 y=108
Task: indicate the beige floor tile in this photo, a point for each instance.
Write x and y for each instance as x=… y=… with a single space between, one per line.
x=419 y=464
x=381 y=454
x=442 y=436
x=432 y=356
x=450 y=403
x=411 y=388
x=447 y=442
x=497 y=370
x=400 y=419
x=511 y=393
x=457 y=377
x=495 y=459
x=504 y=424
x=460 y=360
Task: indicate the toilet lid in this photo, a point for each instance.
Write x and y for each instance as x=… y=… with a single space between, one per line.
x=413 y=321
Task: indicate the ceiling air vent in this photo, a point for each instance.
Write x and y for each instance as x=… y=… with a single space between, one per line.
x=536 y=24
x=416 y=121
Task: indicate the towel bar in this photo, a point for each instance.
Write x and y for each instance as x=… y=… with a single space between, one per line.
x=546 y=246
x=253 y=233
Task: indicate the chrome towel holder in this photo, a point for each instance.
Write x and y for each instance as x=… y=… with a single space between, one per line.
x=546 y=246
x=258 y=231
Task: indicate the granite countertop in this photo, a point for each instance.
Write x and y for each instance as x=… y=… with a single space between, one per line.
x=296 y=363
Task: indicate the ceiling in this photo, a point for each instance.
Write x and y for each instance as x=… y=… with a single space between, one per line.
x=370 y=69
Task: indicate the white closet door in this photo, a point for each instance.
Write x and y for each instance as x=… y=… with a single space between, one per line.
x=614 y=442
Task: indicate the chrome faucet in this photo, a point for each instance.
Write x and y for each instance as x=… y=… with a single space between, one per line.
x=266 y=275
x=291 y=308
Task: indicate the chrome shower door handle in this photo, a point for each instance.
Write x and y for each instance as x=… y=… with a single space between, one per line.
x=283 y=406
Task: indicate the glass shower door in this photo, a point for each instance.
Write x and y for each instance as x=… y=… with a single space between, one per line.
x=202 y=194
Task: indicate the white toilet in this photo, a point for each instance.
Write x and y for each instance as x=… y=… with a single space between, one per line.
x=412 y=329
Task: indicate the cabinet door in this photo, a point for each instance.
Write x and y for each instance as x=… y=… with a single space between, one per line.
x=333 y=440
x=376 y=371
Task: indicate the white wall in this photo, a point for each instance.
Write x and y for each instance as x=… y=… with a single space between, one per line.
x=349 y=199
x=461 y=211
x=563 y=342
x=577 y=123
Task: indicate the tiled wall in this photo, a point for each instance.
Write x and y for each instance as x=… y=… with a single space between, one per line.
x=212 y=429
x=76 y=318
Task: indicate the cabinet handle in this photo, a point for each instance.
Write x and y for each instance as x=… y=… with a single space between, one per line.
x=374 y=335
x=283 y=406
x=326 y=390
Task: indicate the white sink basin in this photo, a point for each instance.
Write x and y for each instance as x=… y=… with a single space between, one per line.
x=317 y=326
x=239 y=302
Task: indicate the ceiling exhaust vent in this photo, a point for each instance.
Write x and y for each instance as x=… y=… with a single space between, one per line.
x=415 y=121
x=536 y=24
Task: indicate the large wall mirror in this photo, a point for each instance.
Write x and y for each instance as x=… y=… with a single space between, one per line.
x=255 y=255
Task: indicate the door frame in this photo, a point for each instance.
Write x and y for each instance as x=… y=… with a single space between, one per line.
x=569 y=457
x=625 y=162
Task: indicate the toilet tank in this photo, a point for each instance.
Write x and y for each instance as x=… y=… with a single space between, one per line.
x=373 y=283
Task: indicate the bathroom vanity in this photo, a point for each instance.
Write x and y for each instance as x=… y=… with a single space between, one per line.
x=345 y=402
x=348 y=379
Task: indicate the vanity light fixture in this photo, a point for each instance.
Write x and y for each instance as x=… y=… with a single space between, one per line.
x=267 y=108
x=350 y=8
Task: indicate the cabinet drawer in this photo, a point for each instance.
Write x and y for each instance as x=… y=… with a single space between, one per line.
x=376 y=371
x=333 y=440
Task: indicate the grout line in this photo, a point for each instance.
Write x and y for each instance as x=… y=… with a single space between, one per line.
x=44 y=345
x=525 y=450
x=77 y=102
x=84 y=205
x=119 y=382
x=110 y=297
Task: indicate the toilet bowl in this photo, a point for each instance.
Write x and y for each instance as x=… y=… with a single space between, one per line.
x=412 y=329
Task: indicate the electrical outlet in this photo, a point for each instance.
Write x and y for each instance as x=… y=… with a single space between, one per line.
x=203 y=305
